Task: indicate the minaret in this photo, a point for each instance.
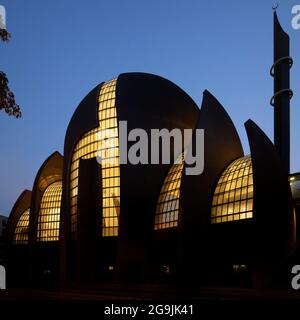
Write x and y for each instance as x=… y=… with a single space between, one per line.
x=280 y=71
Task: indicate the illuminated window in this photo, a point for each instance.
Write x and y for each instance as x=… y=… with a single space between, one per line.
x=233 y=197
x=49 y=213
x=295 y=186
x=167 y=209
x=103 y=142
x=21 y=231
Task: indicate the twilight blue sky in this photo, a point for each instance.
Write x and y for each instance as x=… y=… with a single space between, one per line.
x=60 y=49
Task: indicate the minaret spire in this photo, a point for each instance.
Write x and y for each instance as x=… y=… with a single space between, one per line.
x=280 y=71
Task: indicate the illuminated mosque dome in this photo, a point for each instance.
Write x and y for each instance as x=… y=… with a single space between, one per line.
x=93 y=218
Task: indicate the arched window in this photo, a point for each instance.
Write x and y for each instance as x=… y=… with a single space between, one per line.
x=21 y=230
x=49 y=213
x=233 y=197
x=167 y=209
x=103 y=142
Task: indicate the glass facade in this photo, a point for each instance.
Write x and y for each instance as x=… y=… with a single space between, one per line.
x=101 y=142
x=167 y=209
x=49 y=213
x=21 y=231
x=233 y=197
x=295 y=185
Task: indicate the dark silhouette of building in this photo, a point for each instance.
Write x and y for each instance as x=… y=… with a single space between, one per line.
x=33 y=236
x=17 y=259
x=91 y=222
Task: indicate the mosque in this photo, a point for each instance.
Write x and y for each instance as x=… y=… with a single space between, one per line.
x=86 y=222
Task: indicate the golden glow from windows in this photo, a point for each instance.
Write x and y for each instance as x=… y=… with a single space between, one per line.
x=167 y=209
x=295 y=186
x=49 y=213
x=102 y=141
x=233 y=197
x=21 y=231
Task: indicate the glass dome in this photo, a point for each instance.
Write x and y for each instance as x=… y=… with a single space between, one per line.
x=21 y=230
x=103 y=142
x=233 y=196
x=49 y=213
x=167 y=209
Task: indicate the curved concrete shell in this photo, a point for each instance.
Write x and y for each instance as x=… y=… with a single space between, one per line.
x=17 y=252
x=221 y=146
x=175 y=247
x=148 y=102
x=21 y=205
x=49 y=173
x=273 y=206
x=43 y=230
